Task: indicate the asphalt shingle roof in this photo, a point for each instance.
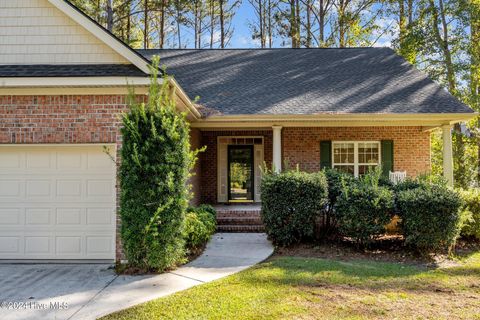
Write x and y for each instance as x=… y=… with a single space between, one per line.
x=71 y=70
x=306 y=81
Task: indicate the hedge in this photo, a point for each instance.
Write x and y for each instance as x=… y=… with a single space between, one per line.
x=363 y=210
x=155 y=164
x=200 y=225
x=471 y=212
x=430 y=215
x=291 y=202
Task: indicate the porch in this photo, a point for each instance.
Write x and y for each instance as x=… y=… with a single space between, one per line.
x=351 y=148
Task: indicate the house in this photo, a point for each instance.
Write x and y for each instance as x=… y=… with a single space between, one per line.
x=63 y=80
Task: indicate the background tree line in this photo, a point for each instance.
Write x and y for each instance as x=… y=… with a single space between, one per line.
x=441 y=37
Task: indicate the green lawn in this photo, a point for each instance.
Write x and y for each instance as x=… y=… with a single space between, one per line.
x=309 y=288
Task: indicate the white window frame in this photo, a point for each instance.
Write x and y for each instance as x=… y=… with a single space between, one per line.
x=356 y=164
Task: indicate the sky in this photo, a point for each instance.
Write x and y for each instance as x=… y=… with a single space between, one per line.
x=242 y=36
x=245 y=13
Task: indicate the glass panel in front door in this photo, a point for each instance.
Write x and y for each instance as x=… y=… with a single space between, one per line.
x=240 y=173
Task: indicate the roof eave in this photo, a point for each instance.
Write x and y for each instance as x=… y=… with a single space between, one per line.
x=335 y=120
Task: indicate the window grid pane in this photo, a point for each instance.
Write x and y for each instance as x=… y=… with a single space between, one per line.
x=343 y=153
x=366 y=154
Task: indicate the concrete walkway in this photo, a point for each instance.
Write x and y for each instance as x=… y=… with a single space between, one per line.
x=89 y=291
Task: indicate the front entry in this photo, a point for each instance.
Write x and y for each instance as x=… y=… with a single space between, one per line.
x=240 y=173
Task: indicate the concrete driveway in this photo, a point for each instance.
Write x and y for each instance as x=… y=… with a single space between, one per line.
x=89 y=291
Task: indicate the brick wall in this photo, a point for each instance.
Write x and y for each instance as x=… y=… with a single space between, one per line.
x=208 y=158
x=411 y=145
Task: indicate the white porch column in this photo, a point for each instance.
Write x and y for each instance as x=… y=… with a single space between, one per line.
x=277 y=148
x=447 y=154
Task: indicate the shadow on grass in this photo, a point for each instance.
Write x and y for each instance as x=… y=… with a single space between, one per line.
x=370 y=275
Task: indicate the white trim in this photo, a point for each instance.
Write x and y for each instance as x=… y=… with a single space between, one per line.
x=139 y=90
x=102 y=35
x=62 y=82
x=80 y=145
x=339 y=116
x=277 y=148
x=356 y=163
x=182 y=95
x=334 y=120
x=447 y=154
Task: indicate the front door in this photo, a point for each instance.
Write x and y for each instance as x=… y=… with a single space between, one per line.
x=240 y=173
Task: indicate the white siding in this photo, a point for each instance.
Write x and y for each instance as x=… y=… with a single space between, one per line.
x=35 y=32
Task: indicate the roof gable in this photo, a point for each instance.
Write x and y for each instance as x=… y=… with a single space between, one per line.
x=306 y=82
x=52 y=32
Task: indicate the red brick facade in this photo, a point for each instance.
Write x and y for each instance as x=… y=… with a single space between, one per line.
x=60 y=119
x=95 y=119
x=411 y=145
x=301 y=146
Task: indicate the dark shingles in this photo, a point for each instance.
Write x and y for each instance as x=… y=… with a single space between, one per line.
x=79 y=70
x=306 y=81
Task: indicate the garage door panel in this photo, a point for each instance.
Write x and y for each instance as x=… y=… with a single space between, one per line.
x=69 y=188
x=10 y=188
x=69 y=160
x=10 y=216
x=99 y=216
x=98 y=161
x=57 y=203
x=38 y=245
x=38 y=188
x=39 y=159
x=38 y=216
x=10 y=244
x=69 y=216
x=10 y=160
x=99 y=244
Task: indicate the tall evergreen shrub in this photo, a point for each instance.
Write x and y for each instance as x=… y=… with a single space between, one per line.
x=155 y=163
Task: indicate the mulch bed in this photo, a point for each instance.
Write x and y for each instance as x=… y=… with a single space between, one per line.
x=389 y=248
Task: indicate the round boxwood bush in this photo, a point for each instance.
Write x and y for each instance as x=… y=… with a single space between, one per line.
x=291 y=202
x=337 y=180
x=363 y=210
x=200 y=225
x=430 y=215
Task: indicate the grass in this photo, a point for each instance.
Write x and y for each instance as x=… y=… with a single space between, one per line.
x=309 y=288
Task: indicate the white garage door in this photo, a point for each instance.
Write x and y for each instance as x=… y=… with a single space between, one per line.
x=57 y=202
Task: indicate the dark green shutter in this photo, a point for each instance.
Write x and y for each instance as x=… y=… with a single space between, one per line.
x=387 y=156
x=325 y=154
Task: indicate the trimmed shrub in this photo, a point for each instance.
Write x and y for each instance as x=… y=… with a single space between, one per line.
x=430 y=217
x=200 y=225
x=291 y=202
x=155 y=164
x=336 y=180
x=363 y=210
x=471 y=212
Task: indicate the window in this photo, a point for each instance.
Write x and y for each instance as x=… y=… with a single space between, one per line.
x=356 y=157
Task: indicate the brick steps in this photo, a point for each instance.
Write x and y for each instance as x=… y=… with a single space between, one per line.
x=239 y=220
x=235 y=219
x=240 y=228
